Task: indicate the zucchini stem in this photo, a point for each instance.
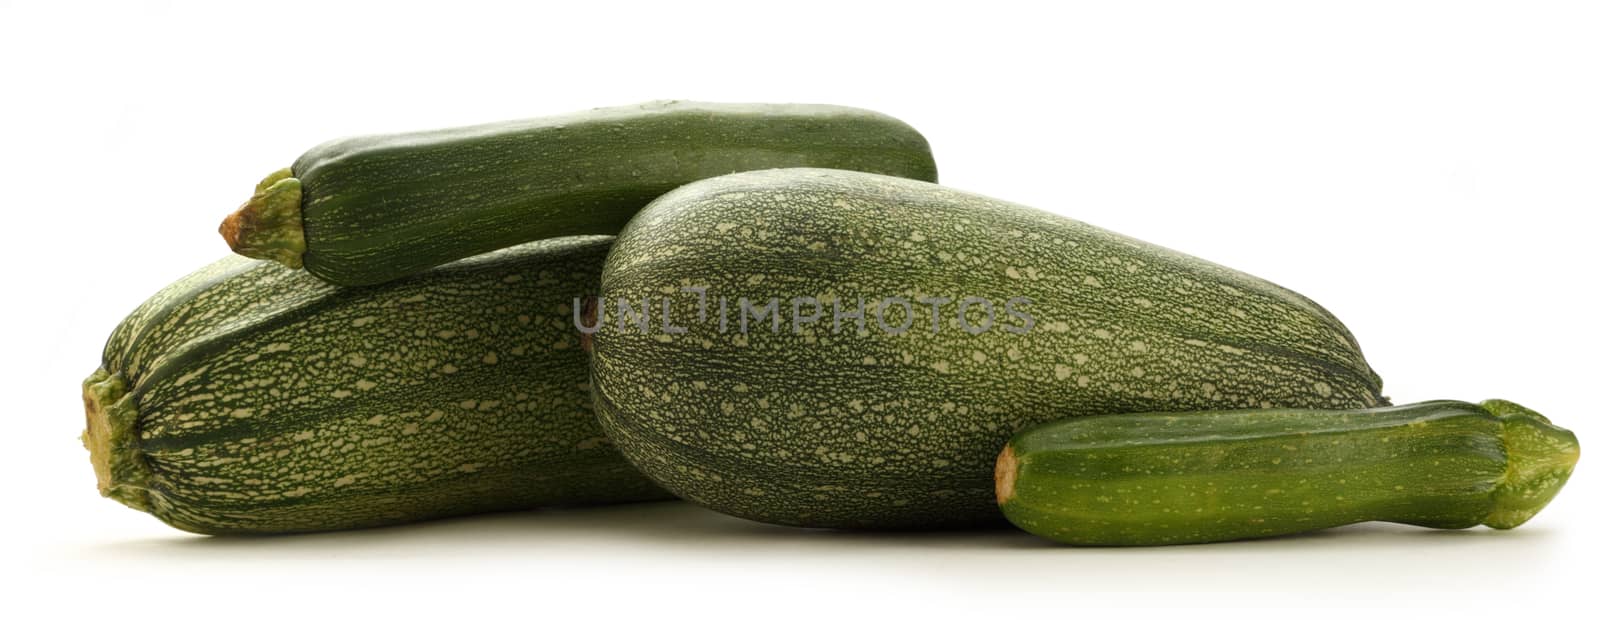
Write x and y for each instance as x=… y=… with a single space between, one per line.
x=119 y=468
x=1540 y=456
x=1005 y=476
x=268 y=225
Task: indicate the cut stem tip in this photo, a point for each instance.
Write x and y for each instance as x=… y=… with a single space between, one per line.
x=268 y=225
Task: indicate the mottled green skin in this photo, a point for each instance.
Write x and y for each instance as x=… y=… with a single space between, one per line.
x=877 y=430
x=380 y=207
x=1175 y=478
x=262 y=400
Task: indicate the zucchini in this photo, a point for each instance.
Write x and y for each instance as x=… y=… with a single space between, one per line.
x=247 y=398
x=370 y=209
x=801 y=418
x=1174 y=478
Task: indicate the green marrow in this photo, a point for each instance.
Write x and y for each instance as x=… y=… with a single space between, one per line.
x=247 y=398
x=1194 y=477
x=800 y=418
x=369 y=209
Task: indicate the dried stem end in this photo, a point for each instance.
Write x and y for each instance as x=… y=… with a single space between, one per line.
x=113 y=442
x=268 y=226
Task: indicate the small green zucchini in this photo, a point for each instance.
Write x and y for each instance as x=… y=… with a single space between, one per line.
x=1194 y=477
x=370 y=209
x=247 y=398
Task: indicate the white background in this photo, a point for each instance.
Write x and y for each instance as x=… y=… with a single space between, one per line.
x=1428 y=171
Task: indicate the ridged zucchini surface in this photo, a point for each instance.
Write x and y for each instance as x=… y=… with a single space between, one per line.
x=248 y=398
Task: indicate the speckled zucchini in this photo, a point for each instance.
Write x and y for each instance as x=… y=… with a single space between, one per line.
x=370 y=209
x=1193 y=477
x=248 y=398
x=858 y=423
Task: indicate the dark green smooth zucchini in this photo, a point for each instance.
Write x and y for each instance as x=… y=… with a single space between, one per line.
x=247 y=398
x=1191 y=477
x=370 y=209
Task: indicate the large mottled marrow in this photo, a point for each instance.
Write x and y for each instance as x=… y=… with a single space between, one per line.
x=251 y=398
x=846 y=424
